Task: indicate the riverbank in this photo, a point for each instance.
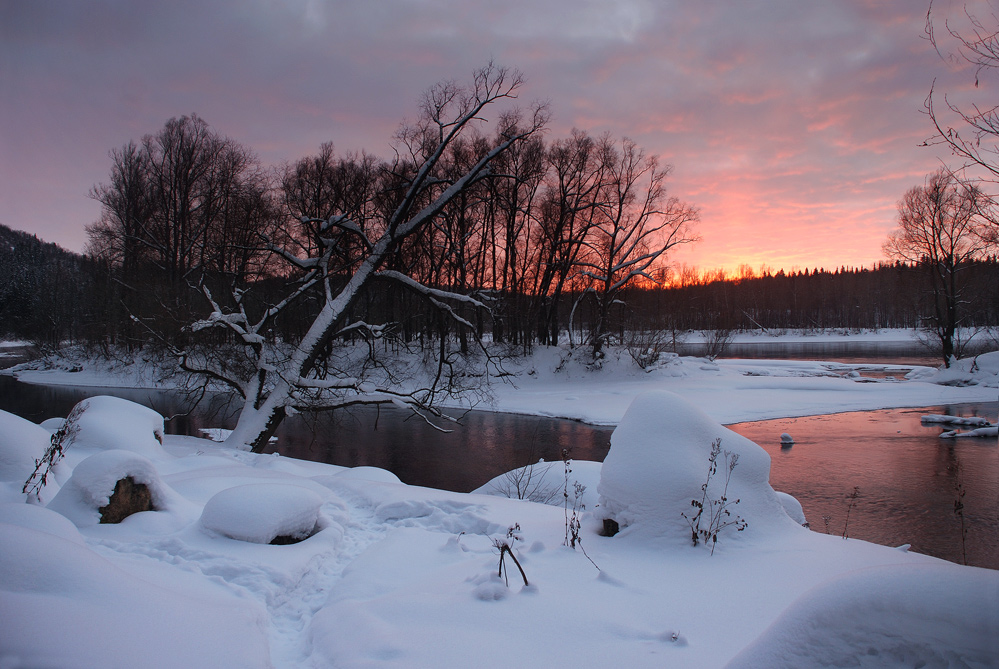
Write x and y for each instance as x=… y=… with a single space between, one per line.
x=401 y=576
x=562 y=382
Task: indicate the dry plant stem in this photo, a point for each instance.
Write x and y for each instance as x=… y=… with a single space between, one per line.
x=853 y=502
x=504 y=551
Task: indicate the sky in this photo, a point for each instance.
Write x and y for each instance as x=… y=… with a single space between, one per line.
x=794 y=126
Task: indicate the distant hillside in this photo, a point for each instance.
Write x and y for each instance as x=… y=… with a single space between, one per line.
x=46 y=292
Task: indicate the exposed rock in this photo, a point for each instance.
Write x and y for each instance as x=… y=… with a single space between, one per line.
x=128 y=497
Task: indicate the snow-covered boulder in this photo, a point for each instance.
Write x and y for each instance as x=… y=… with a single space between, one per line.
x=659 y=461
x=21 y=443
x=93 y=483
x=112 y=423
x=262 y=512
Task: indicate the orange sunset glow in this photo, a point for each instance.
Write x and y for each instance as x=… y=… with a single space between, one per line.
x=793 y=127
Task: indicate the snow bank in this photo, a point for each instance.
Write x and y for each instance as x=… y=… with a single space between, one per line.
x=938 y=615
x=980 y=370
x=545 y=482
x=792 y=507
x=21 y=443
x=365 y=473
x=658 y=463
x=93 y=482
x=980 y=432
x=105 y=423
x=976 y=421
x=40 y=519
x=260 y=512
x=62 y=605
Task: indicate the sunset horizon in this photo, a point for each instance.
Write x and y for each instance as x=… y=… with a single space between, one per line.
x=793 y=130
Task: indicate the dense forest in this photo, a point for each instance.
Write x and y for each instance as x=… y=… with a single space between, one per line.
x=49 y=295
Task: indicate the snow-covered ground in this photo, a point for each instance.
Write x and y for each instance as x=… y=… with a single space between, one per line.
x=401 y=576
x=560 y=382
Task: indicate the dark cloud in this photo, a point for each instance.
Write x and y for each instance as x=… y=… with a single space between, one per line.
x=794 y=125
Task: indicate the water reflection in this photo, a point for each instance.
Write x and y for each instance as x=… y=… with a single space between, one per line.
x=485 y=444
x=907 y=477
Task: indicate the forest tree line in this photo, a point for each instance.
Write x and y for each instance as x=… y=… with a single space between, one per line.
x=49 y=296
x=567 y=235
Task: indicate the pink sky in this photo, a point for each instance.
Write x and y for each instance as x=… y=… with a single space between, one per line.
x=794 y=126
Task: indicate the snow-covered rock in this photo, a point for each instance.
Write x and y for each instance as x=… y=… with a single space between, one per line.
x=260 y=512
x=21 y=443
x=112 y=423
x=786 y=439
x=93 y=482
x=659 y=461
x=976 y=421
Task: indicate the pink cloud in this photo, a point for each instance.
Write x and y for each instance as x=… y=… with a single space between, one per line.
x=793 y=126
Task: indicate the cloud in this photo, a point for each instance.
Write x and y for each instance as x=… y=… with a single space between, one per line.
x=794 y=126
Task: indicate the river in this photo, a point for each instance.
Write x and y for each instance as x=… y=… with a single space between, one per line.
x=907 y=477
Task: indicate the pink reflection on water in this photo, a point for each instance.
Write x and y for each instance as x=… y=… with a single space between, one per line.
x=906 y=474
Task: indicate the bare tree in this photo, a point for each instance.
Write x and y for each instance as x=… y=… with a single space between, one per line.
x=970 y=130
x=939 y=229
x=637 y=224
x=185 y=203
x=275 y=381
x=567 y=211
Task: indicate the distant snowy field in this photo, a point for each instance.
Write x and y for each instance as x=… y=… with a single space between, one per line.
x=401 y=576
x=559 y=382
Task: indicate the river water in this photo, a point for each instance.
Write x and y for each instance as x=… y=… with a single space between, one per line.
x=907 y=477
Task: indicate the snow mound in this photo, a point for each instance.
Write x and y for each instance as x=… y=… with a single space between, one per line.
x=93 y=482
x=364 y=473
x=41 y=519
x=974 y=421
x=937 y=615
x=260 y=512
x=658 y=463
x=980 y=370
x=792 y=507
x=111 y=423
x=21 y=443
x=53 y=425
x=545 y=482
x=63 y=605
x=992 y=431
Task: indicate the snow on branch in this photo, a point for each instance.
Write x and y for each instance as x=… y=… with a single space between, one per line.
x=418 y=287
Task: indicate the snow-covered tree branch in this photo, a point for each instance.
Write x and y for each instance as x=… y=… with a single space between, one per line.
x=332 y=257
